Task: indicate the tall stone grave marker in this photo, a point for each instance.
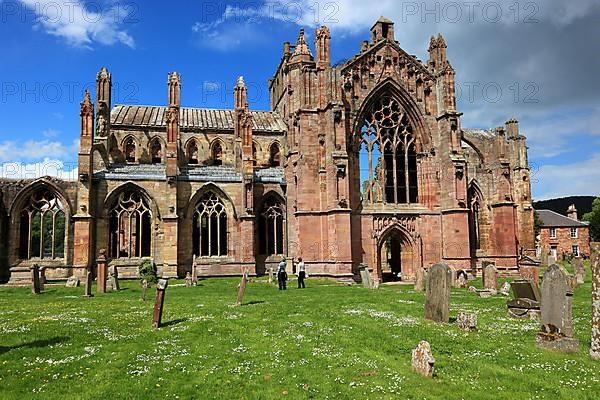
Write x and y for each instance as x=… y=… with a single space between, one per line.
x=595 y=348
x=365 y=276
x=113 y=278
x=89 y=280
x=194 y=272
x=242 y=290
x=35 y=279
x=437 y=301
x=101 y=273
x=490 y=277
x=422 y=359
x=556 y=332
x=421 y=276
x=161 y=288
x=578 y=270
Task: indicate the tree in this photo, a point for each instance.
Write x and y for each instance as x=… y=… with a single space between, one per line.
x=593 y=218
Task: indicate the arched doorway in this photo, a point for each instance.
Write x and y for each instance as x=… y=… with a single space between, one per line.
x=395 y=256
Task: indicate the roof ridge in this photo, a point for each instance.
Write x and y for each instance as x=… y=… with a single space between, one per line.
x=191 y=108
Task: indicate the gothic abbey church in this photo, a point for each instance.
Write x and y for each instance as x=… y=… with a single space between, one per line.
x=360 y=163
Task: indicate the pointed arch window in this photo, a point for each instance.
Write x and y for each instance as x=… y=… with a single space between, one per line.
x=130 y=150
x=193 y=153
x=254 y=155
x=474 y=218
x=130 y=225
x=270 y=228
x=209 y=233
x=156 y=151
x=274 y=156
x=42 y=227
x=387 y=154
x=217 y=154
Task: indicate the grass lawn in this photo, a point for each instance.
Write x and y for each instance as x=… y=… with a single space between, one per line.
x=326 y=341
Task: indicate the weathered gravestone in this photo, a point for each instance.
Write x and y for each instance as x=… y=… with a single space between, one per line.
x=422 y=359
x=188 y=279
x=72 y=282
x=89 y=280
x=490 y=276
x=461 y=279
x=466 y=321
x=101 y=272
x=159 y=302
x=365 y=276
x=421 y=276
x=551 y=260
x=35 y=279
x=531 y=273
x=595 y=347
x=544 y=258
x=505 y=289
x=42 y=278
x=526 y=303
x=194 y=272
x=578 y=270
x=437 y=301
x=113 y=278
x=556 y=332
x=242 y=289
x=144 y=288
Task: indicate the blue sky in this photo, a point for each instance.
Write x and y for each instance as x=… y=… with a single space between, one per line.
x=535 y=61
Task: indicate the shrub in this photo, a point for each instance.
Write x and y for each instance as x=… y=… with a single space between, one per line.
x=147 y=271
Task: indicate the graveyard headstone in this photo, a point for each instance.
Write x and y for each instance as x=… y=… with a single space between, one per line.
x=505 y=289
x=421 y=276
x=422 y=359
x=365 y=276
x=437 y=301
x=159 y=302
x=466 y=321
x=72 y=282
x=556 y=332
x=35 y=279
x=595 y=347
x=101 y=272
x=490 y=277
x=242 y=289
x=89 y=280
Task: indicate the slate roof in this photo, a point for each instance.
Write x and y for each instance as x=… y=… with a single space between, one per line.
x=192 y=118
x=157 y=172
x=551 y=219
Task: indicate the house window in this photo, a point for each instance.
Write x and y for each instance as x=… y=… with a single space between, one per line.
x=575 y=249
x=554 y=252
x=553 y=233
x=574 y=233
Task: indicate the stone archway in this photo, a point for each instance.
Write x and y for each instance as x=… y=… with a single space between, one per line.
x=395 y=256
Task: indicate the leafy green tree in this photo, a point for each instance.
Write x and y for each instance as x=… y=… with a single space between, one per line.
x=537 y=223
x=593 y=218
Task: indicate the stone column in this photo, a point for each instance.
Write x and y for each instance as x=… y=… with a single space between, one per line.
x=101 y=272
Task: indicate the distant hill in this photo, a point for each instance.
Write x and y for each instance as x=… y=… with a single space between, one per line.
x=582 y=203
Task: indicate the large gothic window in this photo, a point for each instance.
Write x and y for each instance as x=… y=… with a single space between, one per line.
x=42 y=227
x=130 y=227
x=387 y=155
x=209 y=232
x=270 y=228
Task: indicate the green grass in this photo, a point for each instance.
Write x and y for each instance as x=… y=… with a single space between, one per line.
x=327 y=341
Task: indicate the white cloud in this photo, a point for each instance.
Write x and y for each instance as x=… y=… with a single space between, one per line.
x=83 y=25
x=46 y=167
x=578 y=178
x=33 y=150
x=50 y=133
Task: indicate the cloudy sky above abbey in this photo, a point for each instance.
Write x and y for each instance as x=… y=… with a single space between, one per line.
x=533 y=60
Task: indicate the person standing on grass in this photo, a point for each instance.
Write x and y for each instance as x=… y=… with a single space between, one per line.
x=281 y=275
x=301 y=273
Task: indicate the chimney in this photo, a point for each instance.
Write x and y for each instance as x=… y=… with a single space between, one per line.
x=572 y=212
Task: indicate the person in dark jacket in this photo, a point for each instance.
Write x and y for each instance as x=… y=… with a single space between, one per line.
x=281 y=275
